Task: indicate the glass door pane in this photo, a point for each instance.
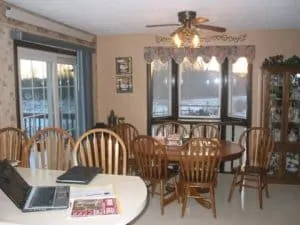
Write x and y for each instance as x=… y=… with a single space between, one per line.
x=293 y=108
x=276 y=110
x=293 y=132
x=67 y=97
x=35 y=98
x=276 y=118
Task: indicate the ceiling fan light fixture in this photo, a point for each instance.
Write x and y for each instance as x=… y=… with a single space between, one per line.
x=186 y=37
x=177 y=41
x=196 y=41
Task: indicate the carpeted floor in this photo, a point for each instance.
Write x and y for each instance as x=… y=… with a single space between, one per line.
x=283 y=207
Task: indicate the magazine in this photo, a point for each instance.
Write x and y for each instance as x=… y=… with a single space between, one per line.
x=94 y=201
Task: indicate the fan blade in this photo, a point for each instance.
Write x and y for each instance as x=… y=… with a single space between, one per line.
x=199 y=20
x=163 y=25
x=212 y=28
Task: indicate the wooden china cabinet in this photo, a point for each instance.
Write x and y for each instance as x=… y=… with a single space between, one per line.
x=281 y=114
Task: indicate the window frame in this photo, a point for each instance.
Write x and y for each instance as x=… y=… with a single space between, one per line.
x=175 y=98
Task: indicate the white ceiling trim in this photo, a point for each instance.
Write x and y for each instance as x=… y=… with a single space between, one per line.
x=18 y=14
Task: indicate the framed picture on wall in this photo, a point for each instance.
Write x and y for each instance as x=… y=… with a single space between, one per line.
x=124 y=84
x=123 y=65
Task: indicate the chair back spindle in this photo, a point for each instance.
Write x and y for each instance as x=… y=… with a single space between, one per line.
x=205 y=130
x=259 y=145
x=50 y=148
x=171 y=127
x=127 y=132
x=101 y=148
x=151 y=157
x=12 y=142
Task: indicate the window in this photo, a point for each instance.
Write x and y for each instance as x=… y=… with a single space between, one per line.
x=199 y=90
x=237 y=89
x=161 y=88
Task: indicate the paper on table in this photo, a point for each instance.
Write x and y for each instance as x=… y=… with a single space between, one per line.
x=96 y=191
x=93 y=201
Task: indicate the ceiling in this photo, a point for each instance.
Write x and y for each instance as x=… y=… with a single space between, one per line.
x=130 y=16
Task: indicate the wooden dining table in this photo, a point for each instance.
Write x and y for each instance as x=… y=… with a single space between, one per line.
x=229 y=151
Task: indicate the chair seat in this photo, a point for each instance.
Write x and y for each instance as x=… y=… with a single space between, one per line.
x=131 y=161
x=196 y=184
x=170 y=174
x=250 y=170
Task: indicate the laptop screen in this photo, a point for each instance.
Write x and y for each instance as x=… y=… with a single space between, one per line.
x=12 y=184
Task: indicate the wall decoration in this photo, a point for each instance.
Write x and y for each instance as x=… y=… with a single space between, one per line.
x=123 y=65
x=221 y=52
x=280 y=60
x=207 y=39
x=124 y=84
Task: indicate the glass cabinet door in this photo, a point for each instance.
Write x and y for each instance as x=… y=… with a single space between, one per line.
x=293 y=125
x=276 y=106
x=293 y=108
x=276 y=83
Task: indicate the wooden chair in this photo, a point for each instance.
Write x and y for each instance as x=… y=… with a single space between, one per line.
x=168 y=128
x=171 y=127
x=205 y=130
x=259 y=145
x=101 y=148
x=199 y=164
x=12 y=141
x=128 y=132
x=152 y=162
x=50 y=148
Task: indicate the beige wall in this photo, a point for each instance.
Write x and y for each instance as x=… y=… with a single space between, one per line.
x=8 y=115
x=133 y=106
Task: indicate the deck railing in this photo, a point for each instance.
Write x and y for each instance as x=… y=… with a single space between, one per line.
x=186 y=110
x=34 y=122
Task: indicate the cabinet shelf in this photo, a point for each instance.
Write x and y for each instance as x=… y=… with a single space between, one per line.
x=276 y=125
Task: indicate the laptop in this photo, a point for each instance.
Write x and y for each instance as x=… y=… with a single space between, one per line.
x=30 y=198
x=79 y=175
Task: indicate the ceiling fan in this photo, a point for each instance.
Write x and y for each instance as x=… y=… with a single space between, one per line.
x=188 y=32
x=188 y=19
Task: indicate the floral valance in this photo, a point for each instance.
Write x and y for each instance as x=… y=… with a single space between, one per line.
x=164 y=54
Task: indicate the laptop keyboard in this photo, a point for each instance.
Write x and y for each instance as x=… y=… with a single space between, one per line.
x=43 y=196
x=61 y=196
x=50 y=196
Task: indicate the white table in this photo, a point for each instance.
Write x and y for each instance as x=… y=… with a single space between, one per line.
x=130 y=190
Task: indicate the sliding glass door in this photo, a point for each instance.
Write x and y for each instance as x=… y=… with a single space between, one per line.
x=47 y=88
